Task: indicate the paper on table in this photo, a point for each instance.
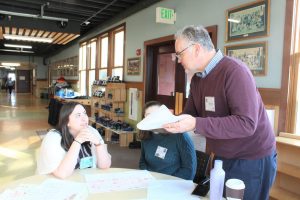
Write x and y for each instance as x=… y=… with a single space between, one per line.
x=172 y=189
x=21 y=192
x=50 y=189
x=157 y=119
x=61 y=189
x=119 y=181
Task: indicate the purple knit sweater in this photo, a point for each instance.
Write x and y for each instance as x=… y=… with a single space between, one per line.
x=239 y=127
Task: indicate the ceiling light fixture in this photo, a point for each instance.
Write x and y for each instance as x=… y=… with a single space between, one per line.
x=18 y=46
x=41 y=16
x=85 y=23
x=15 y=50
x=27 y=38
x=10 y=64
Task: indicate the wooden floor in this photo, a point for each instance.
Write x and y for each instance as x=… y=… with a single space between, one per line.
x=20 y=116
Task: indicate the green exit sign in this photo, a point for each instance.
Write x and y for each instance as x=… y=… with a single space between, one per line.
x=165 y=15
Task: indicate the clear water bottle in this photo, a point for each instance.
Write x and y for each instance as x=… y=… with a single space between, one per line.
x=217 y=178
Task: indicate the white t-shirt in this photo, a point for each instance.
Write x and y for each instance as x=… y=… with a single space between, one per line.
x=51 y=153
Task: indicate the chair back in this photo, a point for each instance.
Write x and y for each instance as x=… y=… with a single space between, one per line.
x=202 y=165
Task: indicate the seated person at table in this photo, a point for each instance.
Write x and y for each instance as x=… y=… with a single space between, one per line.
x=74 y=144
x=167 y=153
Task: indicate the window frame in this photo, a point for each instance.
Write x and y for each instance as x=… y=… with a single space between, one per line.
x=110 y=62
x=292 y=74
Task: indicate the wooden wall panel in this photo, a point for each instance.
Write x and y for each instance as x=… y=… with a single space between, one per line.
x=138 y=85
x=270 y=96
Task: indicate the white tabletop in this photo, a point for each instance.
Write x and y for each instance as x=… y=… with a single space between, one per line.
x=78 y=176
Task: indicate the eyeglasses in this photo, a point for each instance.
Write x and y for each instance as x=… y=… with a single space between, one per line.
x=178 y=54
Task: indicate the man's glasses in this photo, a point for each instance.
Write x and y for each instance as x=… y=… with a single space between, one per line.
x=178 y=54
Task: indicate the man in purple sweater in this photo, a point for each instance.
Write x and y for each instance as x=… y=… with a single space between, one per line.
x=225 y=106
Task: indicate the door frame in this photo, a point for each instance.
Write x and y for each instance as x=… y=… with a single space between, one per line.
x=147 y=72
x=148 y=57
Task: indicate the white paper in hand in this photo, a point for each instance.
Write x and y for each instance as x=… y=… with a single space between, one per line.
x=157 y=119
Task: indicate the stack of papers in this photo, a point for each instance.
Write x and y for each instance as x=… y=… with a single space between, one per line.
x=157 y=119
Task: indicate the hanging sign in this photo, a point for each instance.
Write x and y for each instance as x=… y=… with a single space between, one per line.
x=165 y=15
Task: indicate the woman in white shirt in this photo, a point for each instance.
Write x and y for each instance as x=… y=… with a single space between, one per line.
x=72 y=145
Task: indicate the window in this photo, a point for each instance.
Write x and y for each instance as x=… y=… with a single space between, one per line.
x=293 y=106
x=82 y=69
x=118 y=48
x=118 y=54
x=101 y=57
x=91 y=64
x=91 y=80
x=93 y=54
x=82 y=80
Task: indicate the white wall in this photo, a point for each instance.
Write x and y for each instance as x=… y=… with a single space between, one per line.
x=141 y=27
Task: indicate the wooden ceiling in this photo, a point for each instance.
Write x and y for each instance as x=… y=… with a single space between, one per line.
x=58 y=37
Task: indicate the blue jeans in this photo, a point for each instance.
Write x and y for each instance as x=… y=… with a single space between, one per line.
x=258 y=175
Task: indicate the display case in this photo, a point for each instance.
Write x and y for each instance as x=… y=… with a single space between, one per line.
x=107 y=108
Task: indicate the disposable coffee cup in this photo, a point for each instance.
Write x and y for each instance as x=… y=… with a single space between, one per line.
x=234 y=189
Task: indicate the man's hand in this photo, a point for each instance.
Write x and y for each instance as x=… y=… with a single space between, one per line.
x=188 y=123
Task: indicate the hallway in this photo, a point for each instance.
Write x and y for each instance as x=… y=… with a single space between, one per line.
x=20 y=116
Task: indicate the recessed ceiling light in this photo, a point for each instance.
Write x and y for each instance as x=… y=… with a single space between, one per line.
x=18 y=46
x=27 y=38
x=15 y=50
x=10 y=64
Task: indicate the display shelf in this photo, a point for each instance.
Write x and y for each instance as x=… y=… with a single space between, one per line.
x=288 y=169
x=280 y=194
x=125 y=136
x=111 y=105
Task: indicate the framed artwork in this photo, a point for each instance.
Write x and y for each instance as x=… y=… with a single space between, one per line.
x=248 y=21
x=253 y=54
x=134 y=66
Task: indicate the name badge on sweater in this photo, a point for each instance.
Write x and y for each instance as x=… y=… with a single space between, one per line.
x=86 y=162
x=161 y=152
x=210 y=104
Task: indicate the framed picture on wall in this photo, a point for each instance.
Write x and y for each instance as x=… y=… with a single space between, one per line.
x=134 y=66
x=248 y=21
x=253 y=54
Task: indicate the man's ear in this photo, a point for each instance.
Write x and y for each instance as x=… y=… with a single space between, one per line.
x=197 y=48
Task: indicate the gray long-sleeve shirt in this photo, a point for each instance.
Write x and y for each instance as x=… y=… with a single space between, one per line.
x=229 y=111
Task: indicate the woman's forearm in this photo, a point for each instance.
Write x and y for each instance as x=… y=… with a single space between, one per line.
x=103 y=157
x=67 y=165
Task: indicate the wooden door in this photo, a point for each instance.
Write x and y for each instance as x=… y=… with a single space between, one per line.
x=166 y=77
x=23 y=81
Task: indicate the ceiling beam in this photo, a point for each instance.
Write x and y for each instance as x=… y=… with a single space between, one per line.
x=79 y=4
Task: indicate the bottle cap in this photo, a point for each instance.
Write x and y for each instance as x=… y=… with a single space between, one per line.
x=218 y=163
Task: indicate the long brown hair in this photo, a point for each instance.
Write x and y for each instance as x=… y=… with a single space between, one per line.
x=145 y=135
x=63 y=120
